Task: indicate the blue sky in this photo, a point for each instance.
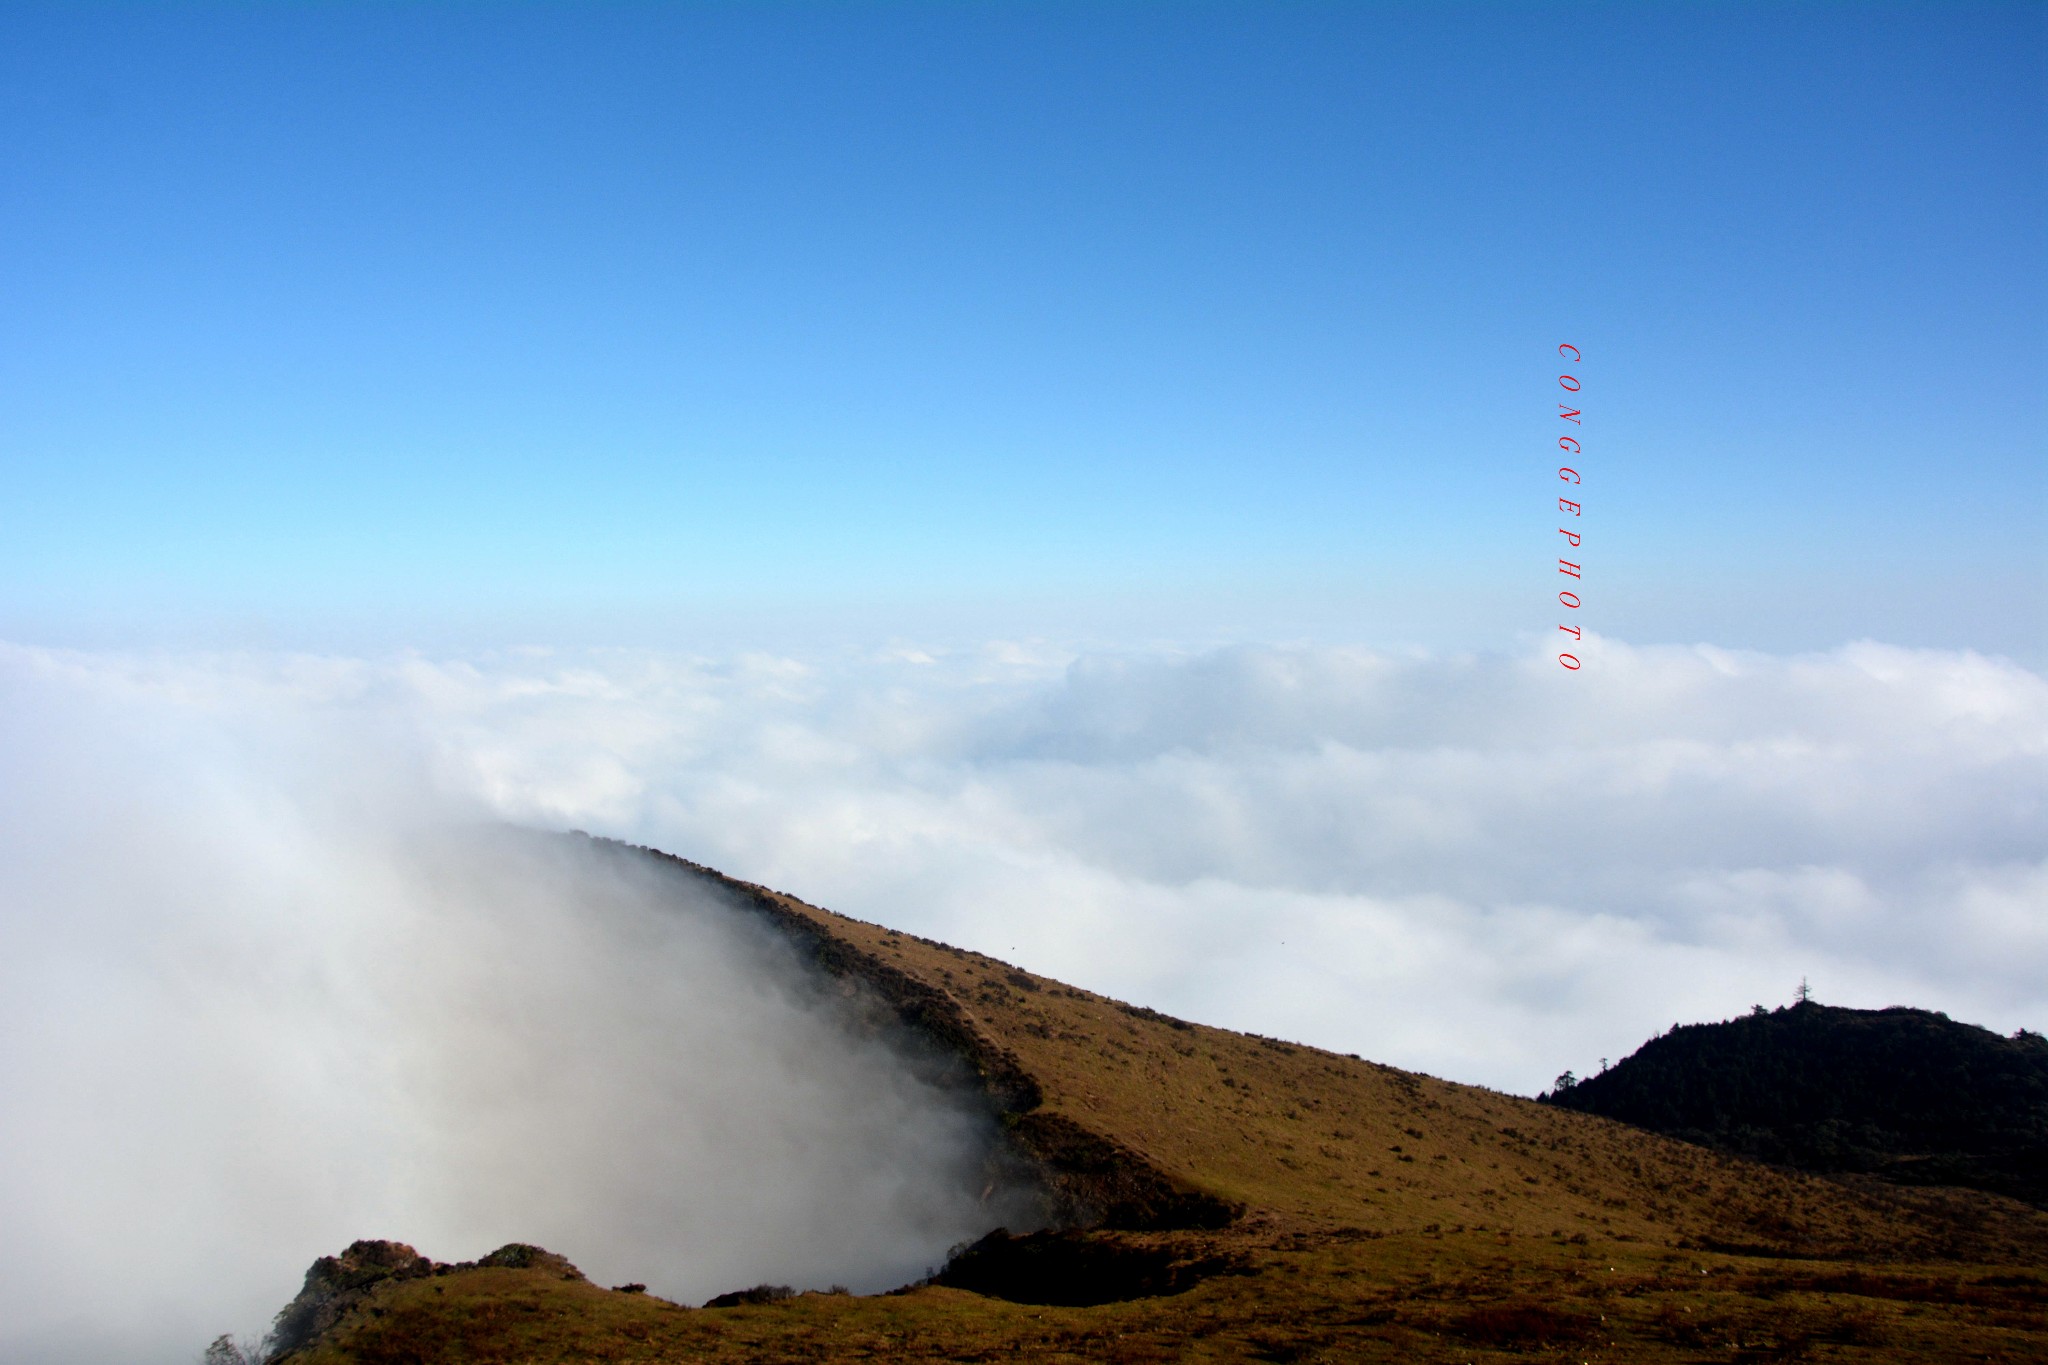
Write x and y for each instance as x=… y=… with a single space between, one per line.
x=623 y=323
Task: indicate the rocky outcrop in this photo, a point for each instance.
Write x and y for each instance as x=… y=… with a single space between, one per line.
x=336 y=1284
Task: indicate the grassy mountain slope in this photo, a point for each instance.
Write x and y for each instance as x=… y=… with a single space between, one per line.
x=1261 y=1200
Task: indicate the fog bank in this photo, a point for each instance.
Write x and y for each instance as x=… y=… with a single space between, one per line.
x=268 y=989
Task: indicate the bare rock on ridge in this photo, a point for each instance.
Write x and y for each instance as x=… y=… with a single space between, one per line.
x=336 y=1284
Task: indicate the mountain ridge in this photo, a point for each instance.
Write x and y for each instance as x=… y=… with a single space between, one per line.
x=1212 y=1195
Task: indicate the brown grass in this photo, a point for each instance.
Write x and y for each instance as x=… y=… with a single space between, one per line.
x=1462 y=1298
x=1388 y=1216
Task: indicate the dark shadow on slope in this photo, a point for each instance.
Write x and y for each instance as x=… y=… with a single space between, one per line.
x=1077 y=1269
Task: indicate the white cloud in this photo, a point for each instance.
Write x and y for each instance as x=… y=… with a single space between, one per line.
x=265 y=991
x=1475 y=864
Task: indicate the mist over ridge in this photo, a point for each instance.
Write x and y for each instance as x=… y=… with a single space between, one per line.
x=266 y=991
x=265 y=994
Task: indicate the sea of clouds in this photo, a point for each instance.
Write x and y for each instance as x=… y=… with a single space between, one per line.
x=267 y=988
x=1477 y=865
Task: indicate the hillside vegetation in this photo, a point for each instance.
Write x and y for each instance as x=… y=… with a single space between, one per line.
x=1909 y=1095
x=1223 y=1196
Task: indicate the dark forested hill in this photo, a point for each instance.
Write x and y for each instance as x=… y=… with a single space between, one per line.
x=1906 y=1094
